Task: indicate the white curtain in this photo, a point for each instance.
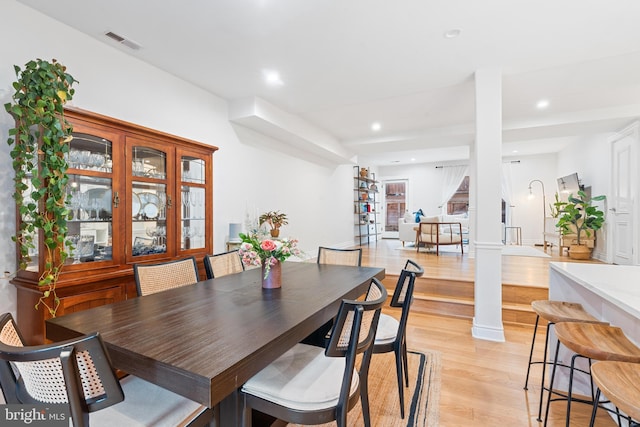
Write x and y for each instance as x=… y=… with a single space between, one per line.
x=451 y=180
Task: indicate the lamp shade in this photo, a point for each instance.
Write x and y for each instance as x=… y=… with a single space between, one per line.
x=235 y=228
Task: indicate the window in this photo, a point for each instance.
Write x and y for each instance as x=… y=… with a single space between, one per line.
x=395 y=203
x=459 y=202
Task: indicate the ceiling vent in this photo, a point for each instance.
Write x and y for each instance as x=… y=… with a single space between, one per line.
x=128 y=43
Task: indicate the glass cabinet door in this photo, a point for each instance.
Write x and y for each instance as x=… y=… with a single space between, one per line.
x=149 y=202
x=90 y=195
x=193 y=197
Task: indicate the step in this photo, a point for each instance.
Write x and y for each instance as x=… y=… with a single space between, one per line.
x=456 y=298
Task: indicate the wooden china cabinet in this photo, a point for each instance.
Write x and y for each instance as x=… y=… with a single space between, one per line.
x=137 y=196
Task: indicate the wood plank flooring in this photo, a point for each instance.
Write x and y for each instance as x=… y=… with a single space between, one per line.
x=482 y=381
x=529 y=271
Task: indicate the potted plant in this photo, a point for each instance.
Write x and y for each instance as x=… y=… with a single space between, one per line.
x=275 y=219
x=579 y=215
x=39 y=144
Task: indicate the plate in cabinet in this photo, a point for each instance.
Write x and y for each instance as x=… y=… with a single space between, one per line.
x=135 y=204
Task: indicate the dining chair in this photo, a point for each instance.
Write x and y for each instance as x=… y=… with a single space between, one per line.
x=309 y=385
x=79 y=373
x=334 y=256
x=350 y=257
x=391 y=333
x=222 y=264
x=152 y=278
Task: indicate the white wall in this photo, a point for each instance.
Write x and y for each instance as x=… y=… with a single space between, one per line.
x=425 y=184
x=590 y=157
x=316 y=199
x=527 y=212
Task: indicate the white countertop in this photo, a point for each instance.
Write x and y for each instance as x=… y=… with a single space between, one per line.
x=618 y=284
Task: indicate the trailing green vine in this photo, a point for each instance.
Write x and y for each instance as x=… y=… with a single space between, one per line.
x=40 y=143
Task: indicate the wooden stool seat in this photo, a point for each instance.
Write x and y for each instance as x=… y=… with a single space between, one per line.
x=598 y=342
x=553 y=312
x=592 y=341
x=561 y=311
x=620 y=383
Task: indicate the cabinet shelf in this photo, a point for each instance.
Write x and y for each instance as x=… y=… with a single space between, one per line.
x=366 y=207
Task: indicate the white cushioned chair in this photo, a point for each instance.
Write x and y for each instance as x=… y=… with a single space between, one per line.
x=311 y=385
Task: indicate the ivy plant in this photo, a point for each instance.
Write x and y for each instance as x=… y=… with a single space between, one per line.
x=40 y=145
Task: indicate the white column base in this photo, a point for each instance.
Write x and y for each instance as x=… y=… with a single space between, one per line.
x=488 y=333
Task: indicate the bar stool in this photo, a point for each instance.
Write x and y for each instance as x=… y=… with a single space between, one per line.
x=553 y=312
x=620 y=382
x=591 y=341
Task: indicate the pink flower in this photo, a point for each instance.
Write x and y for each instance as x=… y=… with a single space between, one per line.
x=268 y=245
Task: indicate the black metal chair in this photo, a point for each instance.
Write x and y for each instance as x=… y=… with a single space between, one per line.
x=391 y=333
x=152 y=278
x=222 y=264
x=304 y=386
x=340 y=256
x=79 y=373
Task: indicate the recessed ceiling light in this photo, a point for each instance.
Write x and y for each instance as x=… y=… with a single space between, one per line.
x=452 y=33
x=514 y=151
x=542 y=104
x=376 y=126
x=413 y=159
x=272 y=78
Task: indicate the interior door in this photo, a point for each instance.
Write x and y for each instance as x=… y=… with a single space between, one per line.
x=621 y=211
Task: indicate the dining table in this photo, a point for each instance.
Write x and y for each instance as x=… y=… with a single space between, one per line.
x=204 y=341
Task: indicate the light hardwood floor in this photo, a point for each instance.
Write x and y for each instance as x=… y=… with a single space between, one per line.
x=482 y=381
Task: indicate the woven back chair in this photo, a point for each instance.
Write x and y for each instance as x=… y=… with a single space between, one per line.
x=152 y=278
x=79 y=373
x=219 y=265
x=10 y=335
x=391 y=333
x=333 y=256
x=304 y=386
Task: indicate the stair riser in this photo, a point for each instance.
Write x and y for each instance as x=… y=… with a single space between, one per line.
x=455 y=298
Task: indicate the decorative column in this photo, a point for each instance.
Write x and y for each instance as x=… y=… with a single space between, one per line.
x=487 y=321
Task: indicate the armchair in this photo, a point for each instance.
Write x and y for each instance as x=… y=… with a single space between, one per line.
x=439 y=233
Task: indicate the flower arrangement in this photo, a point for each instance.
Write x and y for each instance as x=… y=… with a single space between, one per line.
x=267 y=252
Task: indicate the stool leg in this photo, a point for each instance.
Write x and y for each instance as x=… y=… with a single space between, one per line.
x=569 y=392
x=553 y=375
x=533 y=343
x=595 y=409
x=544 y=369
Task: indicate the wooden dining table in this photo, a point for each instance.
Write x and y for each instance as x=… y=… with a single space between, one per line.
x=204 y=341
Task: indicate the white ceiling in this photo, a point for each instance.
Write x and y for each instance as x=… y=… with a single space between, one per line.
x=348 y=63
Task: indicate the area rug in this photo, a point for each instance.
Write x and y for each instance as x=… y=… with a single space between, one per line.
x=421 y=397
x=513 y=250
